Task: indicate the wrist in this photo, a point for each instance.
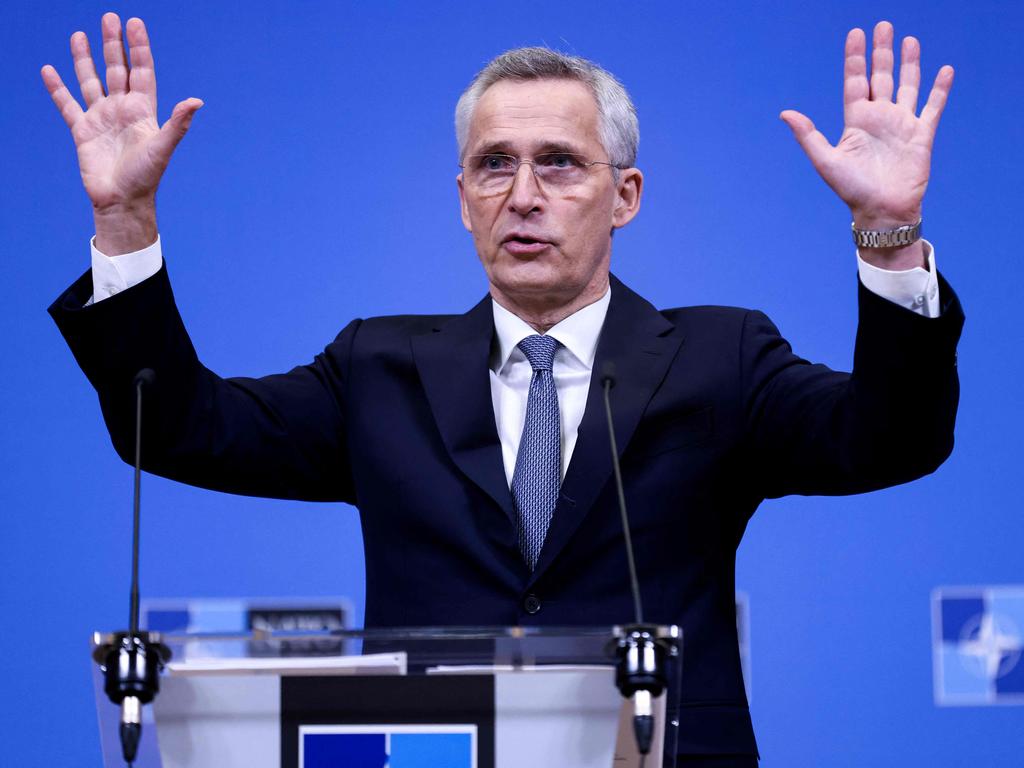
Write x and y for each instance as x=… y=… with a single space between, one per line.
x=896 y=259
x=886 y=229
x=125 y=227
x=883 y=220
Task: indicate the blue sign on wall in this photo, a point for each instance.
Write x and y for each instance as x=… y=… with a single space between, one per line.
x=978 y=645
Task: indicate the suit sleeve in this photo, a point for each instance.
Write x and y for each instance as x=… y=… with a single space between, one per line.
x=817 y=431
x=279 y=436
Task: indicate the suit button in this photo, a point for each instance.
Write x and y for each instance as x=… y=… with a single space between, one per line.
x=531 y=604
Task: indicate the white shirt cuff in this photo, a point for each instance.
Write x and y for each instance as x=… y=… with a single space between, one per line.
x=915 y=289
x=113 y=274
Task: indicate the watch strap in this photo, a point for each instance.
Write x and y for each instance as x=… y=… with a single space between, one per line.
x=887 y=238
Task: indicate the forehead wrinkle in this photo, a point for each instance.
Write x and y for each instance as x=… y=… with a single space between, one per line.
x=530 y=116
x=542 y=115
x=506 y=133
x=514 y=140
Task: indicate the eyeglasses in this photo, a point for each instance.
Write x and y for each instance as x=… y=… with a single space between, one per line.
x=494 y=173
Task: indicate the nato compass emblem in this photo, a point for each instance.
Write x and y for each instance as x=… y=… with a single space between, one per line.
x=978 y=645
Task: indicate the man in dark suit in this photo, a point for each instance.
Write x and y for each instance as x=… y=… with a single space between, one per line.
x=474 y=445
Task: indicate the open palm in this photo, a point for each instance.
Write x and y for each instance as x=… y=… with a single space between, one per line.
x=122 y=149
x=881 y=164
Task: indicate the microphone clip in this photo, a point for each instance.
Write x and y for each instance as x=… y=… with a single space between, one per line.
x=131 y=666
x=641 y=674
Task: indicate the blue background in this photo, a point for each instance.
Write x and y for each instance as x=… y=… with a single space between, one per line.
x=317 y=185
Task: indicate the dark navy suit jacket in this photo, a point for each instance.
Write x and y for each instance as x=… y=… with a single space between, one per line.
x=713 y=413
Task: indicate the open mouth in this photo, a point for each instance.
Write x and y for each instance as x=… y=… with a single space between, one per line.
x=524 y=239
x=524 y=246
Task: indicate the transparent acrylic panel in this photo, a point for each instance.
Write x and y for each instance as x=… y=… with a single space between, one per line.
x=253 y=683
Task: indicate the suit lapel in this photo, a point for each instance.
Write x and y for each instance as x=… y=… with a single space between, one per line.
x=635 y=339
x=453 y=365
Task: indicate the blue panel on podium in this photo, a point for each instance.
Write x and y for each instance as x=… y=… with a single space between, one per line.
x=388 y=746
x=352 y=750
x=429 y=750
x=424 y=720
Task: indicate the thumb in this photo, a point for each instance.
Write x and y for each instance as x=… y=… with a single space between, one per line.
x=814 y=144
x=177 y=125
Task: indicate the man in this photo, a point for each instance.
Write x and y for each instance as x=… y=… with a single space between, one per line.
x=474 y=445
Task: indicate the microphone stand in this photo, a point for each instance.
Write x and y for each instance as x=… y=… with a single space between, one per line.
x=131 y=662
x=641 y=673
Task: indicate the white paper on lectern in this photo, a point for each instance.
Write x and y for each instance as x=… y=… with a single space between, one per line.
x=371 y=664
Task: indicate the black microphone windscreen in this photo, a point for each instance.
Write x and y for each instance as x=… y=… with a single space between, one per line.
x=146 y=376
x=608 y=373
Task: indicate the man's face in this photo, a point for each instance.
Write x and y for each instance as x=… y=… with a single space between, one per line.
x=538 y=244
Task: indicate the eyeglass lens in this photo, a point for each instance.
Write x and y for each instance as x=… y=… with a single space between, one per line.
x=555 y=169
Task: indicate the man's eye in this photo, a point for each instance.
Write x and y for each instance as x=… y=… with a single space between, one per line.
x=558 y=160
x=495 y=162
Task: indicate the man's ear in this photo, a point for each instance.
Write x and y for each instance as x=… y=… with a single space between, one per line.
x=464 y=208
x=627 y=196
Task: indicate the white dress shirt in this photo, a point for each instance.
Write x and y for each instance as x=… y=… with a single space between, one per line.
x=915 y=289
x=511 y=374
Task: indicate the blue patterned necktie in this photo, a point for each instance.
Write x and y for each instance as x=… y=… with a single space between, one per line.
x=537 y=475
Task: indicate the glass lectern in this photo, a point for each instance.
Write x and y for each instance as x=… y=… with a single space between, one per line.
x=451 y=697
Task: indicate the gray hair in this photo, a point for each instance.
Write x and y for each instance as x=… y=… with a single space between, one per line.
x=618 y=124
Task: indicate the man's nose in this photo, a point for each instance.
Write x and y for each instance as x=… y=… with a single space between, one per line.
x=525 y=195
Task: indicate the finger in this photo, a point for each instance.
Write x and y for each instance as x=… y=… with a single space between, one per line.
x=881 y=62
x=176 y=127
x=855 y=68
x=937 y=98
x=814 y=144
x=113 y=54
x=85 y=69
x=910 y=74
x=142 y=77
x=66 y=104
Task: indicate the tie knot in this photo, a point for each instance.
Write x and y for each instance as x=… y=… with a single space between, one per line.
x=539 y=350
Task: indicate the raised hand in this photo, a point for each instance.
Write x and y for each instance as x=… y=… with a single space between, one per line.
x=122 y=149
x=880 y=166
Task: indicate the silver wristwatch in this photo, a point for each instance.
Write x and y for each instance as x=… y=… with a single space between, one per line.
x=886 y=238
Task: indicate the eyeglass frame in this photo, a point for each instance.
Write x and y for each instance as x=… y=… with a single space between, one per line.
x=518 y=161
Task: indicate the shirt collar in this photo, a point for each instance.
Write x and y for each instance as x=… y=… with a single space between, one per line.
x=578 y=333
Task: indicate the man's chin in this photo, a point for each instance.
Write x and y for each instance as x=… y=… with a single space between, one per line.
x=529 y=279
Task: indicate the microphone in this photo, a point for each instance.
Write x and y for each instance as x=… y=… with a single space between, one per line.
x=147 y=377
x=607 y=382
x=608 y=371
x=641 y=675
x=132 y=660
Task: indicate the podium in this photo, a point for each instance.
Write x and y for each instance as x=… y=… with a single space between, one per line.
x=446 y=697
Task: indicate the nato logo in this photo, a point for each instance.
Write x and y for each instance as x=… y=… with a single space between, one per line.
x=978 y=645
x=387 y=746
